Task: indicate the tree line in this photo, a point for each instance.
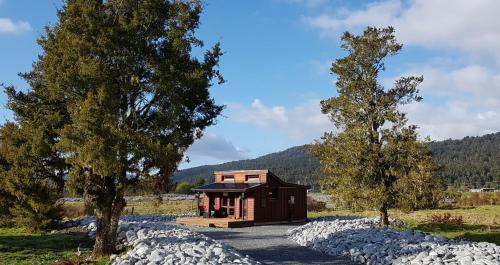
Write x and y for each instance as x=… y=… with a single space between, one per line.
x=471 y=162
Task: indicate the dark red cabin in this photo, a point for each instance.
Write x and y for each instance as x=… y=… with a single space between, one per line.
x=251 y=196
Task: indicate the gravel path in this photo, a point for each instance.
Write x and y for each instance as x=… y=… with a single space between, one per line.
x=270 y=245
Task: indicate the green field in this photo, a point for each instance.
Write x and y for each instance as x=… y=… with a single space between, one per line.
x=19 y=247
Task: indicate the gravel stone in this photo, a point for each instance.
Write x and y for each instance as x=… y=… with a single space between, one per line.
x=363 y=241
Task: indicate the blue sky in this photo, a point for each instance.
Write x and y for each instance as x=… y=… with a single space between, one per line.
x=278 y=54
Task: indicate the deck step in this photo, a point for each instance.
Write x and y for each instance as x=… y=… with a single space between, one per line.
x=213 y=222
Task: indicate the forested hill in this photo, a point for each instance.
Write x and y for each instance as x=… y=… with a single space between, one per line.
x=469 y=162
x=293 y=165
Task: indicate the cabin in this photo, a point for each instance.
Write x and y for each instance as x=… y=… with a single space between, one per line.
x=248 y=197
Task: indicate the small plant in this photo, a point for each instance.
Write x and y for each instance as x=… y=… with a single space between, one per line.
x=446 y=218
x=315 y=205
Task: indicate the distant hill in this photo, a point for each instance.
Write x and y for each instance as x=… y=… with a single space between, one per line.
x=469 y=162
x=293 y=165
x=472 y=162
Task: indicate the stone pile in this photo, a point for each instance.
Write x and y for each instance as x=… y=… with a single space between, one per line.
x=364 y=242
x=154 y=239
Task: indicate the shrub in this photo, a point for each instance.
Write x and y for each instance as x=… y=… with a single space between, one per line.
x=73 y=210
x=446 y=219
x=315 y=205
x=471 y=199
x=183 y=188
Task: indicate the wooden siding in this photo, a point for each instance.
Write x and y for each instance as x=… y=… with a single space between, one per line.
x=275 y=210
x=237 y=207
x=240 y=177
x=250 y=208
x=205 y=201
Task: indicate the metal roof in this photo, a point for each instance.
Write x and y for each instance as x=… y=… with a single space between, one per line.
x=227 y=187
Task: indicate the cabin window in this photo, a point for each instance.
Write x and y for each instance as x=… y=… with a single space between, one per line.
x=252 y=178
x=228 y=178
x=273 y=193
x=263 y=199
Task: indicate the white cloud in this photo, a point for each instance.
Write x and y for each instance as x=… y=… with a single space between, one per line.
x=471 y=26
x=454 y=120
x=468 y=102
x=260 y=114
x=15 y=27
x=457 y=102
x=301 y=124
x=215 y=147
x=474 y=84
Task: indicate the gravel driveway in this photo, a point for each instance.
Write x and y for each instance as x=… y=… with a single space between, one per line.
x=270 y=245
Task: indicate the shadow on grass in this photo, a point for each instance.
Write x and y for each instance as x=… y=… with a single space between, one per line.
x=477 y=233
x=42 y=248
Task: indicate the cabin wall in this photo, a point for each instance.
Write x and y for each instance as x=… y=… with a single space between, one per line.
x=262 y=205
x=250 y=208
x=241 y=177
x=299 y=210
x=205 y=201
x=237 y=207
x=279 y=209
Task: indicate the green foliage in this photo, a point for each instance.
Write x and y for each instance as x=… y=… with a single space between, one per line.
x=123 y=96
x=200 y=182
x=471 y=162
x=374 y=159
x=183 y=188
x=28 y=186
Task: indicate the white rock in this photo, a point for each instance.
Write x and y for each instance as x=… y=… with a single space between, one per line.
x=363 y=241
x=156 y=255
x=155 y=240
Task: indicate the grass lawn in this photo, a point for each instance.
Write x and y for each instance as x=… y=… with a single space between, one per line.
x=76 y=209
x=164 y=207
x=20 y=247
x=481 y=223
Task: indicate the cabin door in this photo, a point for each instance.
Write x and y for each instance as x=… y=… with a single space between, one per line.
x=227 y=204
x=291 y=204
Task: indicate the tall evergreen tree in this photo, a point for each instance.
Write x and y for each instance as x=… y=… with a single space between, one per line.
x=374 y=156
x=121 y=77
x=30 y=183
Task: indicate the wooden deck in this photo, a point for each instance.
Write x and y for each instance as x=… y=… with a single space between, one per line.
x=213 y=222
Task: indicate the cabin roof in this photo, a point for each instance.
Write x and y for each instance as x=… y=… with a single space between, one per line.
x=227 y=187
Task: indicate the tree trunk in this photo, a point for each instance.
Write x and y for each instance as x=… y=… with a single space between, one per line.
x=384 y=217
x=108 y=214
x=107 y=227
x=104 y=245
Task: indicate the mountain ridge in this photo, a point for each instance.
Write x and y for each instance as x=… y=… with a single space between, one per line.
x=471 y=161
